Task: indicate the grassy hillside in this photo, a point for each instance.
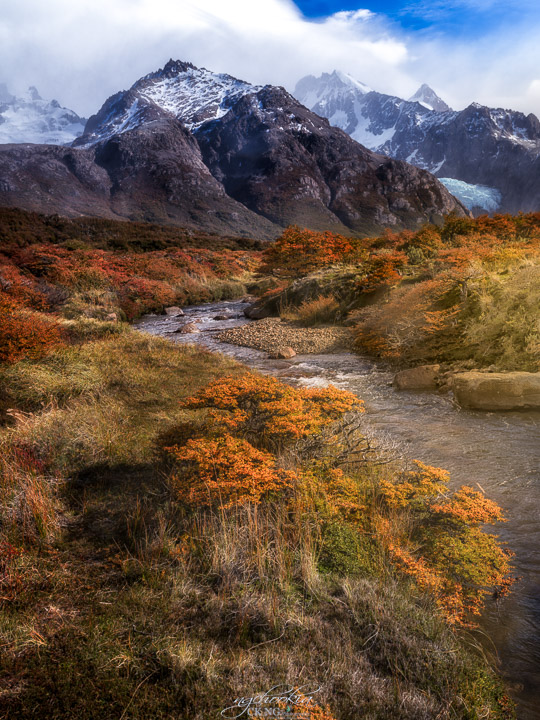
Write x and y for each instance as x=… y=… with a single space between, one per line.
x=138 y=583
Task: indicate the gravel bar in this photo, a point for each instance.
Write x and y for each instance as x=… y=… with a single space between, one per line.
x=272 y=334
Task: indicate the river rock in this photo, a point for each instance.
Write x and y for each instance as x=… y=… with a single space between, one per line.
x=174 y=311
x=222 y=317
x=497 y=391
x=188 y=328
x=423 y=377
x=258 y=311
x=283 y=353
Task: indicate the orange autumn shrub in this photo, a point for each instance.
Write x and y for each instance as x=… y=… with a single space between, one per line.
x=469 y=506
x=300 y=251
x=225 y=471
x=459 y=240
x=414 y=486
x=445 y=551
x=331 y=493
x=25 y=334
x=22 y=288
x=384 y=271
x=427 y=243
x=269 y=413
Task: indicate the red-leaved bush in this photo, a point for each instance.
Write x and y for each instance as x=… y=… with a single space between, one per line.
x=25 y=334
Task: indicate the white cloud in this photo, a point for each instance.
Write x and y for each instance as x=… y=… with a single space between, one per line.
x=82 y=51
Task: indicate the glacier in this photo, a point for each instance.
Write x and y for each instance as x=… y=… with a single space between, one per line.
x=473 y=196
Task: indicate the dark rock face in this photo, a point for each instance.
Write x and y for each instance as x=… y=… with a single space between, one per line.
x=158 y=175
x=53 y=179
x=497 y=148
x=269 y=150
x=186 y=147
x=152 y=173
x=479 y=145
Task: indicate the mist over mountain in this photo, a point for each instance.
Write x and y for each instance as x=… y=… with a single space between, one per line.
x=31 y=119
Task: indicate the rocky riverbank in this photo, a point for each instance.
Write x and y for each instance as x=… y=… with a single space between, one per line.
x=272 y=335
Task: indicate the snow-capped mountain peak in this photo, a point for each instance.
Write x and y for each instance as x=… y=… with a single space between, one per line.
x=340 y=98
x=347 y=79
x=31 y=119
x=311 y=90
x=193 y=95
x=429 y=99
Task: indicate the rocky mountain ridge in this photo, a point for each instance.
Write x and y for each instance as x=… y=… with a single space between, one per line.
x=187 y=146
x=493 y=148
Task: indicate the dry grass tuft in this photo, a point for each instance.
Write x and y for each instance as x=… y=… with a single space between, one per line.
x=311 y=313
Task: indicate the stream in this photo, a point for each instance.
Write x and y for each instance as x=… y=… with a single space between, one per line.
x=500 y=452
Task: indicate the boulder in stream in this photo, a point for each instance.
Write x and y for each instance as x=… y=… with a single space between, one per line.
x=188 y=328
x=283 y=353
x=174 y=311
x=497 y=391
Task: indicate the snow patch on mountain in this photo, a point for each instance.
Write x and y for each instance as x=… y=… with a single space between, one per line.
x=371 y=135
x=31 y=119
x=195 y=96
x=332 y=92
x=473 y=196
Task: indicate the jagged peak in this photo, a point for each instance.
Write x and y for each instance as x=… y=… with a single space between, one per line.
x=336 y=78
x=424 y=89
x=33 y=94
x=176 y=67
x=193 y=95
x=171 y=69
x=29 y=118
x=426 y=96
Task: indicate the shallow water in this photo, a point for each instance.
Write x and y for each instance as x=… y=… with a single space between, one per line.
x=500 y=452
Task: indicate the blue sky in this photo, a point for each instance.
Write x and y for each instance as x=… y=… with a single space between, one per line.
x=461 y=18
